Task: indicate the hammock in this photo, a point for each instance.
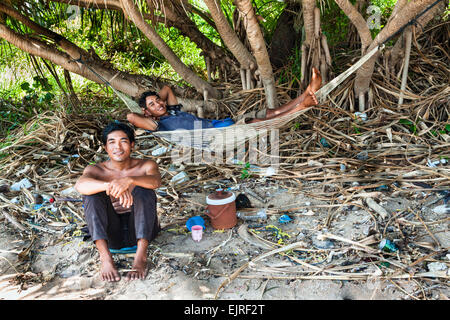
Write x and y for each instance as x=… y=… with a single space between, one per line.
x=228 y=138
x=219 y=139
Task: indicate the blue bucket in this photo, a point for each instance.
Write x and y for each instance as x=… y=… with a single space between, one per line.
x=197 y=220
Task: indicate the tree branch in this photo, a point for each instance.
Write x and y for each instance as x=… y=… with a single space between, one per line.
x=229 y=37
x=130 y=10
x=358 y=21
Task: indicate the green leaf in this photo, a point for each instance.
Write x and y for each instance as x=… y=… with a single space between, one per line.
x=25 y=86
x=405 y=121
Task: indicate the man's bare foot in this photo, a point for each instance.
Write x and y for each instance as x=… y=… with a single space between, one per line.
x=310 y=99
x=316 y=81
x=140 y=269
x=108 y=270
x=314 y=85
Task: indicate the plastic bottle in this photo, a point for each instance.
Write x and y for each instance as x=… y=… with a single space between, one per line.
x=261 y=214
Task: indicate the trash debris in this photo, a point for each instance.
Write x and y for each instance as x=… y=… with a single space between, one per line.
x=69 y=191
x=324 y=143
x=66 y=160
x=434 y=164
x=436 y=266
x=321 y=243
x=159 y=151
x=284 y=219
x=360 y=115
x=197 y=233
x=242 y=201
x=382 y=188
x=24 y=183
x=180 y=178
x=265 y=172
x=445 y=208
x=195 y=221
x=387 y=245
x=221 y=209
x=261 y=214
x=363 y=155
x=254 y=195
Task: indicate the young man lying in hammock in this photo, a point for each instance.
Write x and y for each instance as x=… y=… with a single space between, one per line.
x=163 y=113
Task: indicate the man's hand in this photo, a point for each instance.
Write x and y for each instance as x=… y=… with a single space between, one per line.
x=146 y=112
x=117 y=187
x=126 y=199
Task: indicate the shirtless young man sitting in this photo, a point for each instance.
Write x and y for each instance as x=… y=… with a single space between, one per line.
x=161 y=111
x=120 y=192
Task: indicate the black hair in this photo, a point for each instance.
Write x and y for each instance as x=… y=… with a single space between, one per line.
x=143 y=98
x=117 y=126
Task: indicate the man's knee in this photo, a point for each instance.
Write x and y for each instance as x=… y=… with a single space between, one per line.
x=143 y=193
x=101 y=196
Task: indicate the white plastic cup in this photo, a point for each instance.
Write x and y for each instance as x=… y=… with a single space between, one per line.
x=197 y=232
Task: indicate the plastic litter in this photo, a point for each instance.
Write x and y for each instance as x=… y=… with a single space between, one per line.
x=180 y=178
x=434 y=164
x=24 y=183
x=195 y=221
x=436 y=266
x=360 y=115
x=363 y=155
x=159 y=151
x=197 y=233
x=66 y=160
x=69 y=191
x=284 y=219
x=387 y=245
x=382 y=188
x=324 y=143
x=261 y=214
x=445 y=208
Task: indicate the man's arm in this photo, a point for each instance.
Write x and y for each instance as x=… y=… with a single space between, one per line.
x=144 y=122
x=89 y=183
x=151 y=179
x=166 y=94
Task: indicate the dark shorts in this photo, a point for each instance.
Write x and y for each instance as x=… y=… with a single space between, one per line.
x=122 y=230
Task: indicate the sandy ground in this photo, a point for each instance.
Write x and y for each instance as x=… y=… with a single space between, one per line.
x=61 y=267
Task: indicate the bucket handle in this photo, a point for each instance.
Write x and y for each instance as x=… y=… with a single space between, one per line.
x=217 y=216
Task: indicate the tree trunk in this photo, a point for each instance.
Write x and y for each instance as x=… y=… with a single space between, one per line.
x=396 y=53
x=308 y=20
x=258 y=45
x=315 y=52
x=229 y=37
x=285 y=36
x=358 y=21
x=130 y=9
x=176 y=16
x=409 y=11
